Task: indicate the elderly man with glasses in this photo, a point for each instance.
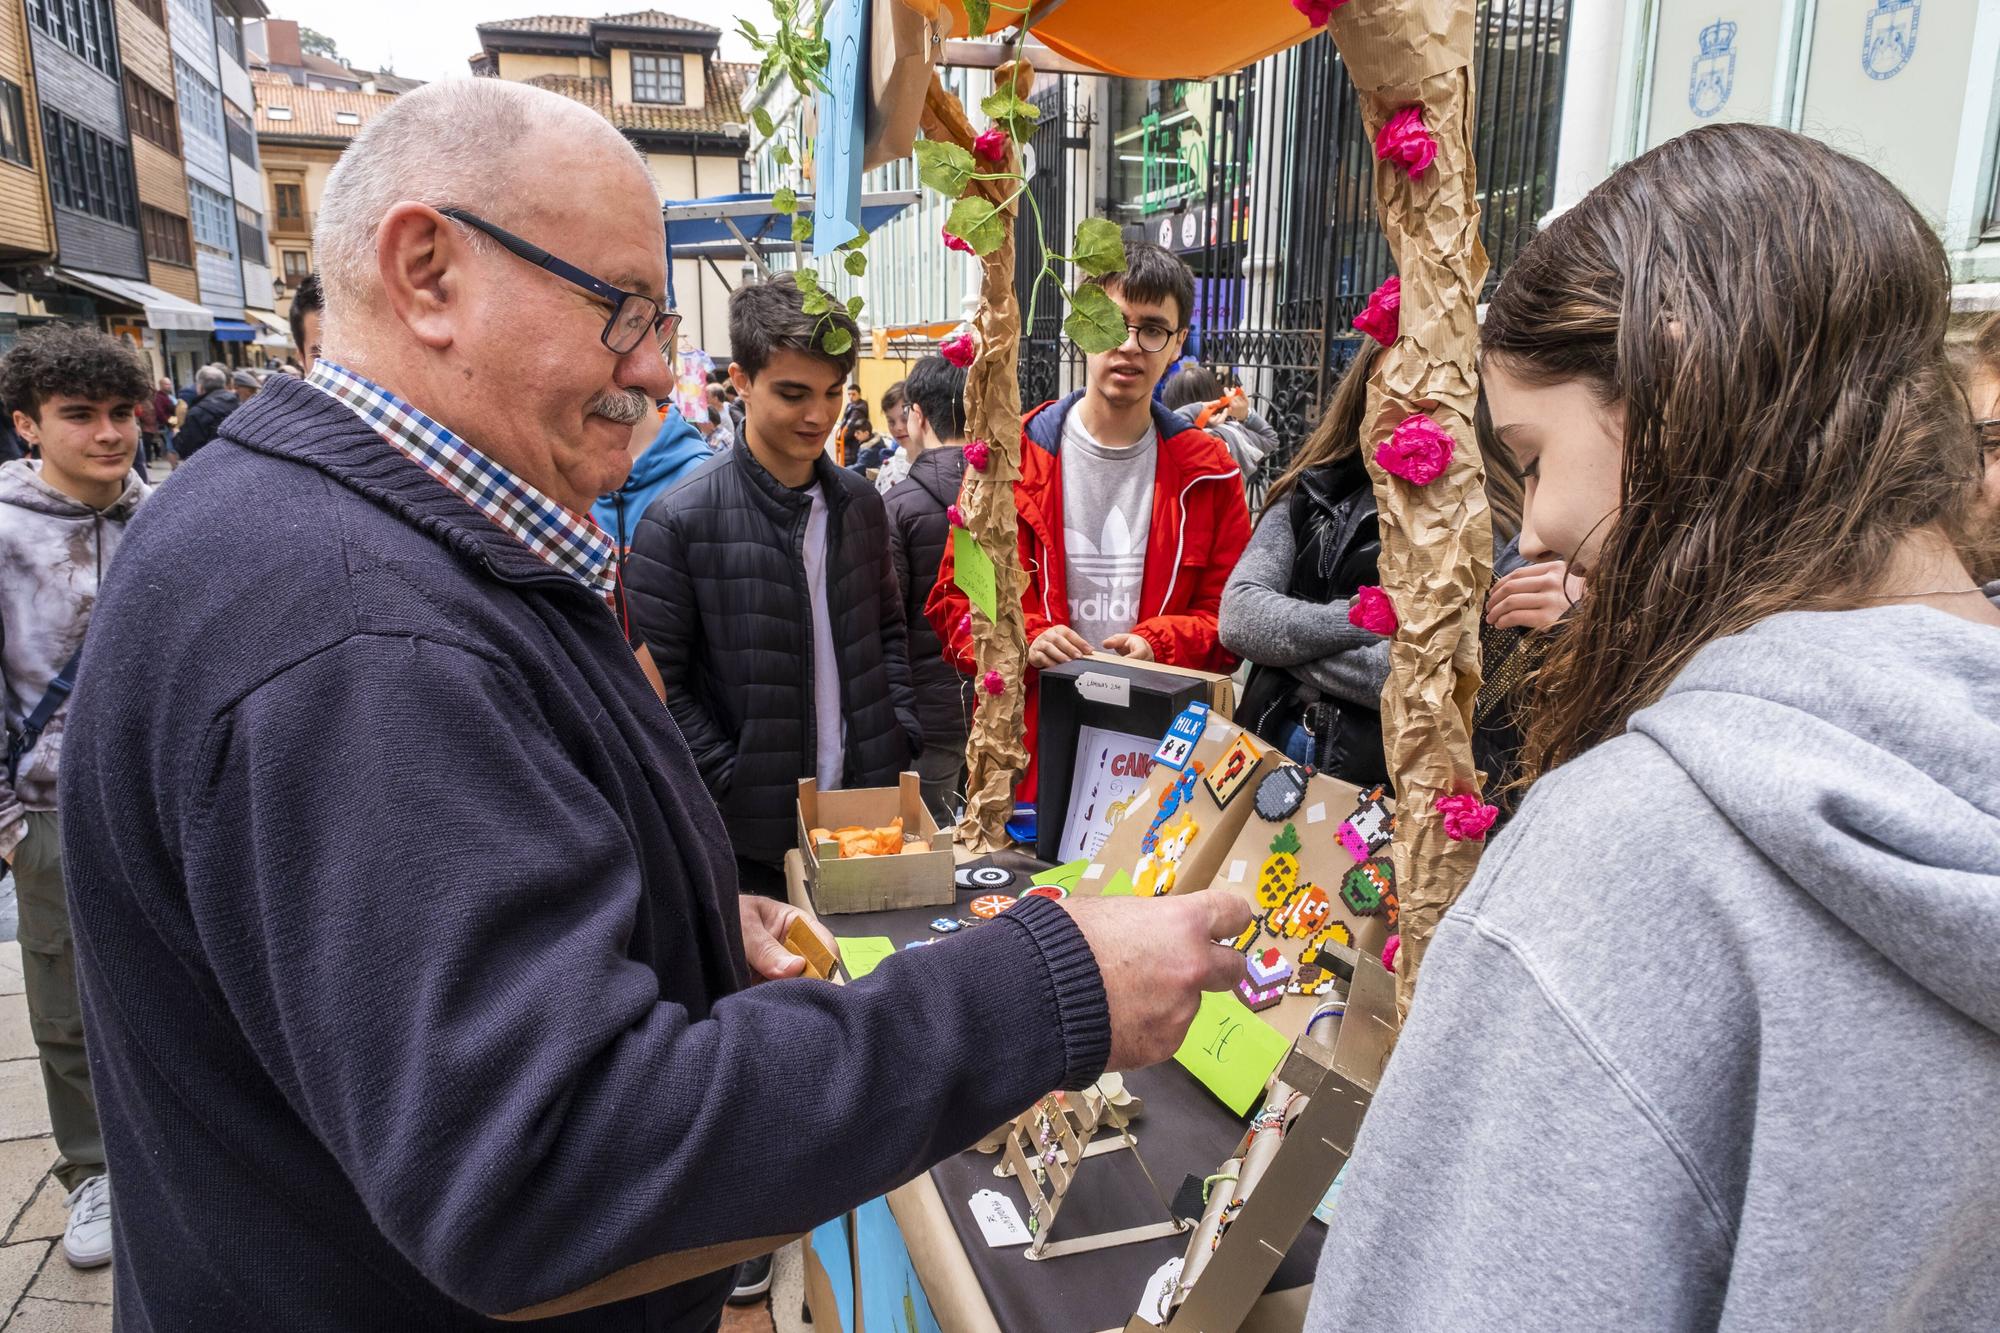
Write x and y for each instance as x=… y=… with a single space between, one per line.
x=418 y=986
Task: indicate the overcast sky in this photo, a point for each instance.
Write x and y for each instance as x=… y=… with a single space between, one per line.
x=431 y=39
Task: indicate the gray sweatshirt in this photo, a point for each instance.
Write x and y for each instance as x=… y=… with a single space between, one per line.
x=1713 y=1038
x=1260 y=621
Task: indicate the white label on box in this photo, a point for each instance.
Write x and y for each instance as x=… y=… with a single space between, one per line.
x=1316 y=813
x=1099 y=688
x=1237 y=870
x=1093 y=872
x=999 y=1220
x=1156 y=1303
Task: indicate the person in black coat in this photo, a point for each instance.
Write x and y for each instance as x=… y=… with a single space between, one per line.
x=763 y=588
x=934 y=399
x=214 y=400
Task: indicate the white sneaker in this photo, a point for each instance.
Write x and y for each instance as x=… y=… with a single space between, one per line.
x=87 y=1237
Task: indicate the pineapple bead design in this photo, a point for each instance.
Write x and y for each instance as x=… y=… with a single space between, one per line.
x=1281 y=870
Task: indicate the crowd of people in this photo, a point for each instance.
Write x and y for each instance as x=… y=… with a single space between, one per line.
x=409 y=923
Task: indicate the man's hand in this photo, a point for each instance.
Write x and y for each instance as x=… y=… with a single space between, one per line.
x=1130 y=645
x=1534 y=596
x=1157 y=955
x=765 y=921
x=1055 y=645
x=1237 y=404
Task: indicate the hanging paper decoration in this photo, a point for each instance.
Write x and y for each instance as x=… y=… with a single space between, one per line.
x=954 y=516
x=1418 y=450
x=995 y=683
x=1317 y=11
x=992 y=145
x=1380 y=320
x=959 y=349
x=1405 y=141
x=1393 y=947
x=1466 y=817
x=978 y=454
x=1371 y=610
x=952 y=242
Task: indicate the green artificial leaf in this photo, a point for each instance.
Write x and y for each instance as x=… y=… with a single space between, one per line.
x=976 y=14
x=782 y=155
x=762 y=120
x=785 y=200
x=979 y=224
x=858 y=240
x=818 y=302
x=1095 y=322
x=837 y=341
x=854 y=307
x=856 y=263
x=945 y=167
x=806 y=279
x=1098 y=249
x=1010 y=112
x=802 y=227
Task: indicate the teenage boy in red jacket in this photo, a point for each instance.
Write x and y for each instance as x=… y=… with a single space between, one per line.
x=1130 y=518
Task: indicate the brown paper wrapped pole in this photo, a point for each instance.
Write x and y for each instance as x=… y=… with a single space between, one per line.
x=1437 y=543
x=995 y=754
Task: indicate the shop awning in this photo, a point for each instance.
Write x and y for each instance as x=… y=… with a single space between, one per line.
x=1176 y=39
x=732 y=227
x=234 y=331
x=274 y=333
x=163 y=310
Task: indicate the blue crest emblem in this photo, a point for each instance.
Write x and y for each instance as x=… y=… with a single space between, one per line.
x=1714 y=75
x=1890 y=38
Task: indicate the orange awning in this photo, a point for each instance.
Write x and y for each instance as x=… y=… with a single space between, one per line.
x=1163 y=39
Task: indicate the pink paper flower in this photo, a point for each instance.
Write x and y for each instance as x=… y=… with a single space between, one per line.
x=955 y=516
x=1384 y=313
x=959 y=349
x=1389 y=952
x=995 y=683
x=1466 y=817
x=1317 y=11
x=1372 y=611
x=958 y=243
x=965 y=624
x=992 y=145
x=1418 y=451
x=978 y=454
x=1404 y=140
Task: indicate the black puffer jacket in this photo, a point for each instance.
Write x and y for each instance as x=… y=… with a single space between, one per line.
x=918 y=534
x=204 y=419
x=716 y=583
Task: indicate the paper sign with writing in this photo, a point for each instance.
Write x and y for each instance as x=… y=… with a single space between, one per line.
x=1231 y=1050
x=861 y=953
x=1182 y=736
x=999 y=1220
x=842 y=128
x=972 y=571
x=1100 y=687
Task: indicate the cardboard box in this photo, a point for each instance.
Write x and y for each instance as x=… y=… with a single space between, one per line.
x=874 y=883
x=1190 y=843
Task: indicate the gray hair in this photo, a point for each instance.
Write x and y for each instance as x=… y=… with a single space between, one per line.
x=452 y=142
x=210 y=378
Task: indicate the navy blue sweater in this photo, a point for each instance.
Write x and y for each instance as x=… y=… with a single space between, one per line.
x=415 y=993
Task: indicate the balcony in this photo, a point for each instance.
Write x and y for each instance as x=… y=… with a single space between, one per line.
x=291 y=224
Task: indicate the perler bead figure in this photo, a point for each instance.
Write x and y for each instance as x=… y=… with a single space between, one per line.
x=1281 y=792
x=1176 y=794
x=1303 y=913
x=1366 y=886
x=1310 y=979
x=1264 y=979
x=1280 y=872
x=1157 y=870
x=1371 y=826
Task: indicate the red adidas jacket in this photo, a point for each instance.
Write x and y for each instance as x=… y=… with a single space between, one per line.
x=1200 y=527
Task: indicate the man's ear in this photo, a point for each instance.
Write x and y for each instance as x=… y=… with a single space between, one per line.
x=739 y=377
x=421 y=260
x=26 y=427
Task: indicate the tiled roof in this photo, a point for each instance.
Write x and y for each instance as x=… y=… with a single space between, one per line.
x=720 y=113
x=315 y=111
x=571 y=25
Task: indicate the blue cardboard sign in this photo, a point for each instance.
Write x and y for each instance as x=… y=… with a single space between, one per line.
x=843 y=116
x=1182 y=737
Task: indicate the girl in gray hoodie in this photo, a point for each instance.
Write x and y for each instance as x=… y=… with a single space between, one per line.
x=1713 y=1038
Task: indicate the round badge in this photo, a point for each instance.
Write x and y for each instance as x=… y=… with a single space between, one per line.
x=1281 y=792
x=1053 y=892
x=984 y=877
x=991 y=905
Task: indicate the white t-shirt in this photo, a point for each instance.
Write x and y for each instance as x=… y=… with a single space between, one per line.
x=1107 y=514
x=829 y=719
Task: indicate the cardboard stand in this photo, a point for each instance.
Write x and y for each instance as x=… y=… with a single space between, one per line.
x=1042 y=1151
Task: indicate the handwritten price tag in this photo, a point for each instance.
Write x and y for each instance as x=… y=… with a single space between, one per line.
x=999 y=1220
x=973 y=572
x=1231 y=1050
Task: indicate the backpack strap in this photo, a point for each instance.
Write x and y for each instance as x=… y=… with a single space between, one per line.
x=59 y=689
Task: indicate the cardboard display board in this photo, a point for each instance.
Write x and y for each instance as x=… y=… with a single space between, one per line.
x=1105 y=694
x=1177 y=830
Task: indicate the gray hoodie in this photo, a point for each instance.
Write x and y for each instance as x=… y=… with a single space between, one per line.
x=1713 y=1038
x=54 y=550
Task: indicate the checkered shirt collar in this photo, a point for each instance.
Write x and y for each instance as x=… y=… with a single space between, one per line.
x=569 y=543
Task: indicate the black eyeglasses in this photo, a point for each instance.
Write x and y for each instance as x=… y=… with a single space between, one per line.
x=1152 y=337
x=632 y=313
x=1989 y=432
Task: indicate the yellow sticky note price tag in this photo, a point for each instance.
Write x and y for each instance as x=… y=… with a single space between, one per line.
x=862 y=953
x=972 y=571
x=1231 y=1050
x=1063 y=876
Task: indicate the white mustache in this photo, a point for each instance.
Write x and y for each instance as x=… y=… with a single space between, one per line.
x=626 y=407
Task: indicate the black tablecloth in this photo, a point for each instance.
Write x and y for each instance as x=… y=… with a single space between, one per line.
x=1184 y=1131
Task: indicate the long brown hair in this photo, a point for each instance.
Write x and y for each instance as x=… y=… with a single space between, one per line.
x=1768 y=315
x=1338 y=433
